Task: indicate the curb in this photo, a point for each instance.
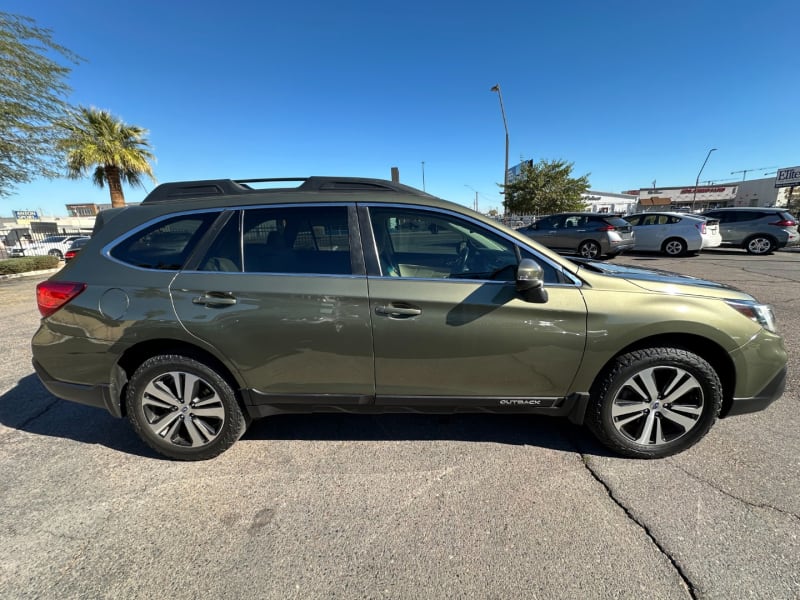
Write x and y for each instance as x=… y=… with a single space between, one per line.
x=29 y=274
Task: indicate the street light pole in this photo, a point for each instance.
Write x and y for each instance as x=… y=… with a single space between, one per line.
x=496 y=88
x=423 y=175
x=697 y=181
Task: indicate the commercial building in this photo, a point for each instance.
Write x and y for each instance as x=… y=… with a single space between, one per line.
x=609 y=202
x=755 y=192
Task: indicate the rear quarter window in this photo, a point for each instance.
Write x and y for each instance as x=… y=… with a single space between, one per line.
x=165 y=245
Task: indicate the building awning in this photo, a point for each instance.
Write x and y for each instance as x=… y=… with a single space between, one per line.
x=655 y=201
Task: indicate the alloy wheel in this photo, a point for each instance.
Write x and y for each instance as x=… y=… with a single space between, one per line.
x=183 y=409
x=657 y=405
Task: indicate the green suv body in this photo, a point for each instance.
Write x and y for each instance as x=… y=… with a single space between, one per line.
x=213 y=303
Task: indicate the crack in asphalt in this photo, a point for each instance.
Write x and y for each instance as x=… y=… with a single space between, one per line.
x=690 y=588
x=21 y=426
x=578 y=445
x=735 y=497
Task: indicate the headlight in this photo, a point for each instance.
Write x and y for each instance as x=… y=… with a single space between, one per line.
x=760 y=313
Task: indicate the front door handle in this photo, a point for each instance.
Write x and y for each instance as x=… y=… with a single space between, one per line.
x=398 y=311
x=215 y=299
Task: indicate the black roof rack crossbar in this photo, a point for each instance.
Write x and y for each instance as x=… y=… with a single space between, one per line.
x=231 y=187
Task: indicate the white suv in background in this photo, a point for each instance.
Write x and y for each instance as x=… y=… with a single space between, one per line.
x=54 y=245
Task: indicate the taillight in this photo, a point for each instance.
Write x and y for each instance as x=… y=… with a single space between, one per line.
x=701 y=226
x=607 y=228
x=70 y=255
x=784 y=223
x=52 y=295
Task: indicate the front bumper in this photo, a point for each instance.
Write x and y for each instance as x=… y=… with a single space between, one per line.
x=771 y=392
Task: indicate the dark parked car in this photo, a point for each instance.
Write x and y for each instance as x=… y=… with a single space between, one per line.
x=211 y=304
x=591 y=235
x=757 y=230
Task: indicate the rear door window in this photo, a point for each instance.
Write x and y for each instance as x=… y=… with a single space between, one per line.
x=301 y=240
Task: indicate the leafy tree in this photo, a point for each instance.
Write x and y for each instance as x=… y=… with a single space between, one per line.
x=545 y=187
x=116 y=152
x=32 y=99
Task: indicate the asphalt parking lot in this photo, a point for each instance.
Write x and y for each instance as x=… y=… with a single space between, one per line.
x=400 y=506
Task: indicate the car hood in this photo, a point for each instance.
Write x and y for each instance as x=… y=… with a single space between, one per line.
x=657 y=280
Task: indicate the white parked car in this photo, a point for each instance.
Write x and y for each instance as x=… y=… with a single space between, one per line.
x=54 y=245
x=673 y=233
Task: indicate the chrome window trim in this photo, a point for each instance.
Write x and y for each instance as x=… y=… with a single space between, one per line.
x=105 y=251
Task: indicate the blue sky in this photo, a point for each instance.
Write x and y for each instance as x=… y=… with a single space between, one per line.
x=630 y=92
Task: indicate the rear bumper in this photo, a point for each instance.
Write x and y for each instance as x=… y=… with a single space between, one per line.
x=99 y=396
x=622 y=246
x=771 y=392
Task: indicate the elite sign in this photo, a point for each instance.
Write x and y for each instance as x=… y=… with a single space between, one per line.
x=787 y=177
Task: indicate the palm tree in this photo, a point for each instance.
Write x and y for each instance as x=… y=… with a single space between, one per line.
x=95 y=139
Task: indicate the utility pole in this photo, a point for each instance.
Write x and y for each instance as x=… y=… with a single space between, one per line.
x=496 y=88
x=697 y=181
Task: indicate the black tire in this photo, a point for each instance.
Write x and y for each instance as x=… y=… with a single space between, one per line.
x=625 y=418
x=674 y=247
x=589 y=249
x=56 y=253
x=759 y=245
x=176 y=426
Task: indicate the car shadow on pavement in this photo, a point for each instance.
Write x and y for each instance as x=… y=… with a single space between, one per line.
x=29 y=407
x=522 y=430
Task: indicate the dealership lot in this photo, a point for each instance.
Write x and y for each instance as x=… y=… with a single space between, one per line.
x=396 y=506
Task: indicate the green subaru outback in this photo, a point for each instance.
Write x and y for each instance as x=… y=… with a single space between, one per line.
x=217 y=302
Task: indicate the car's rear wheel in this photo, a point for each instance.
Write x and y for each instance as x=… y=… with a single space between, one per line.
x=589 y=249
x=655 y=402
x=183 y=409
x=759 y=244
x=674 y=247
x=56 y=253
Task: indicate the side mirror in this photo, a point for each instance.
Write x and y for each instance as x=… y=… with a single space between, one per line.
x=530 y=281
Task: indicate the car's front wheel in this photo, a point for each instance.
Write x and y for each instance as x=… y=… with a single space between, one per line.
x=759 y=244
x=183 y=409
x=655 y=402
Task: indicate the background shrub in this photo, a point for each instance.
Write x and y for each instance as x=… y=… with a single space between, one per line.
x=27 y=263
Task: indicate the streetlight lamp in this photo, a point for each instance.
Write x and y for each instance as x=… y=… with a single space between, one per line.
x=697 y=181
x=496 y=88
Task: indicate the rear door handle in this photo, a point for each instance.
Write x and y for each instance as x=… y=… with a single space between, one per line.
x=398 y=312
x=215 y=299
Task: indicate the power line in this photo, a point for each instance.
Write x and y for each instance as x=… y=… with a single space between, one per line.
x=744 y=172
